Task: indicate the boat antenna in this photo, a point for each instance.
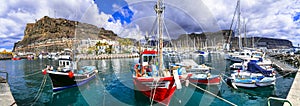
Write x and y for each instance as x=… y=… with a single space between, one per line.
x=159 y=10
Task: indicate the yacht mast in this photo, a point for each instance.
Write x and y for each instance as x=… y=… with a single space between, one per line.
x=239 y=25
x=159 y=11
x=245 y=36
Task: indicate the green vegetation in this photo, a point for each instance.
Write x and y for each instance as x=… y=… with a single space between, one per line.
x=6 y=53
x=125 y=42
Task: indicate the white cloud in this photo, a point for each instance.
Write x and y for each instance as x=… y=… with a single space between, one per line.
x=268 y=18
x=8 y=50
x=15 y=14
x=271 y=18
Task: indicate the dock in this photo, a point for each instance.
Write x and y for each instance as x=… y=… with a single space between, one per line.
x=6 y=97
x=294 y=92
x=293 y=95
x=283 y=66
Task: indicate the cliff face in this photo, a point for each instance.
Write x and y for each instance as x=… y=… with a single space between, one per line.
x=203 y=40
x=48 y=28
x=217 y=40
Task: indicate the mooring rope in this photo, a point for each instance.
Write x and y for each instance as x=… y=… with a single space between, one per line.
x=155 y=86
x=42 y=86
x=214 y=95
x=28 y=75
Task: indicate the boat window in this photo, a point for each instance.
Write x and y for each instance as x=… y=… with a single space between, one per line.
x=145 y=58
x=63 y=63
x=67 y=63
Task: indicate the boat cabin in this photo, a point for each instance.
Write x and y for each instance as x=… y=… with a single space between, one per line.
x=148 y=56
x=64 y=65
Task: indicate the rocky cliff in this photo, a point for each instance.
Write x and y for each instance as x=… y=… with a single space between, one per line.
x=217 y=40
x=48 y=28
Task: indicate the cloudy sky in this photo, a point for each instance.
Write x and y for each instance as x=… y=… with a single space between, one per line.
x=133 y=18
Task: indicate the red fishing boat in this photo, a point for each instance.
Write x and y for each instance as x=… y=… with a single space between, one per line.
x=151 y=77
x=202 y=75
x=158 y=86
x=15 y=57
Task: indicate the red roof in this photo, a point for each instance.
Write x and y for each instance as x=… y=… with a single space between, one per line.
x=149 y=52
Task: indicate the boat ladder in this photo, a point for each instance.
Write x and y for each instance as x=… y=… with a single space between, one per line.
x=279 y=100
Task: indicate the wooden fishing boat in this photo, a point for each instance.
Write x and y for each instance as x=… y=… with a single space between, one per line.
x=151 y=77
x=67 y=75
x=202 y=75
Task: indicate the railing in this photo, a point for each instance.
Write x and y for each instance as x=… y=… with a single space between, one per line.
x=6 y=79
x=278 y=99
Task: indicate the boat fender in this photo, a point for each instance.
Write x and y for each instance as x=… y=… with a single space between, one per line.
x=44 y=72
x=208 y=75
x=239 y=73
x=234 y=86
x=187 y=82
x=71 y=74
x=177 y=80
x=273 y=73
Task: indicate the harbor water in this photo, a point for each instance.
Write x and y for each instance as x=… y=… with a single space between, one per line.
x=113 y=86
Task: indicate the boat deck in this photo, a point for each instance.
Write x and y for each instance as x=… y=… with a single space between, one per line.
x=6 y=97
x=189 y=62
x=294 y=92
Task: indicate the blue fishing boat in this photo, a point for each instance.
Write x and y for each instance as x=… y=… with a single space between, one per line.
x=254 y=76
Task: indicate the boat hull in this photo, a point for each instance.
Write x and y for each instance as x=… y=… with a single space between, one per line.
x=16 y=58
x=61 y=81
x=162 y=93
x=215 y=80
x=250 y=83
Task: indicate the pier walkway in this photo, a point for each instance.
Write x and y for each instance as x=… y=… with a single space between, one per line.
x=294 y=92
x=282 y=66
x=6 y=98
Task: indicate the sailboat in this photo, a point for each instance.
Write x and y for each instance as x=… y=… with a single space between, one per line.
x=150 y=77
x=255 y=75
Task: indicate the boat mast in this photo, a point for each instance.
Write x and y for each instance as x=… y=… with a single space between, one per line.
x=239 y=26
x=159 y=11
x=245 y=36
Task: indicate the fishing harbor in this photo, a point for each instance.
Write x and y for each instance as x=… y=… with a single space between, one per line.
x=66 y=62
x=111 y=80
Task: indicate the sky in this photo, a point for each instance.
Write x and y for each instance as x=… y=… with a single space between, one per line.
x=133 y=18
